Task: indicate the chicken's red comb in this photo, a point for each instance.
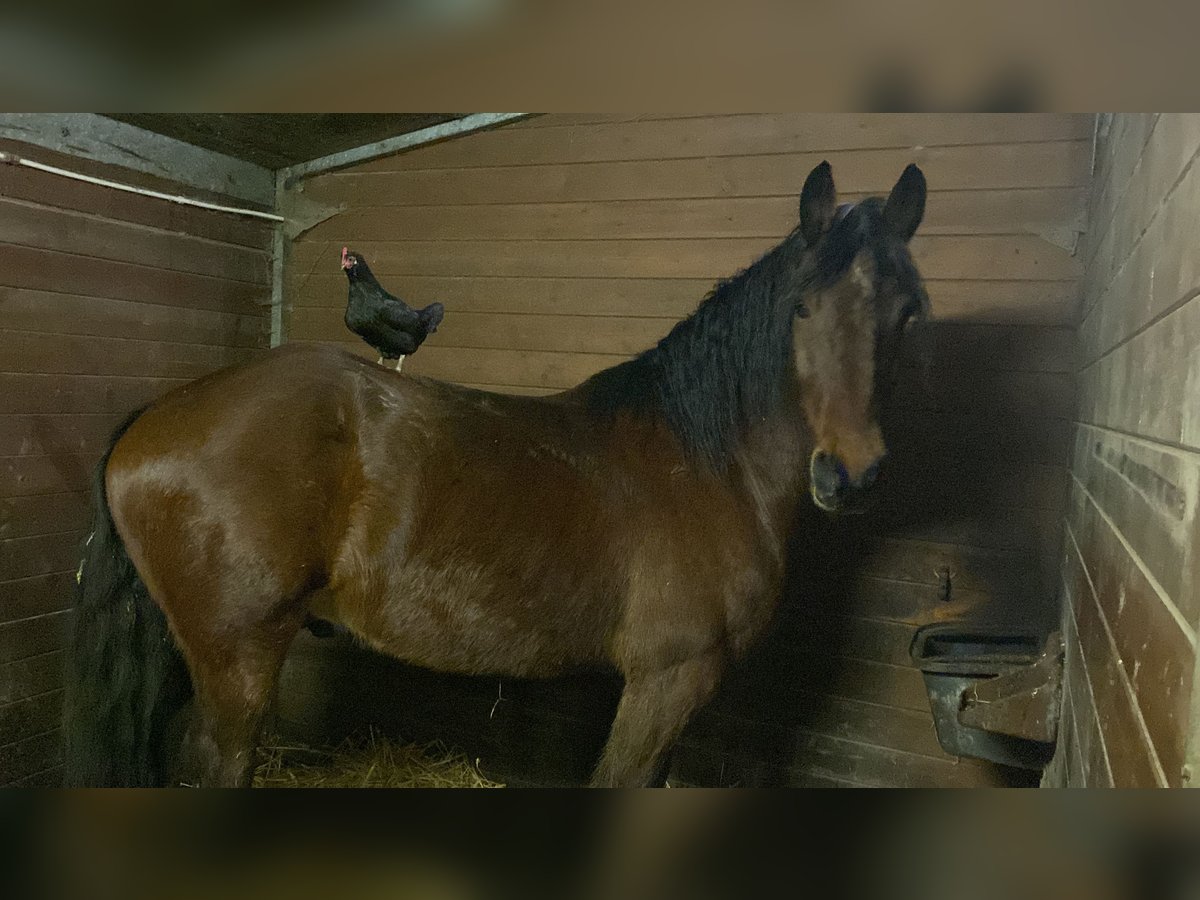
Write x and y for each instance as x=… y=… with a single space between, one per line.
x=345 y=254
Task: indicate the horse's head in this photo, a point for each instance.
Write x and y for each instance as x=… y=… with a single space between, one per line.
x=856 y=293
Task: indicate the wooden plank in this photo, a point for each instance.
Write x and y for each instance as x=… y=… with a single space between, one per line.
x=92 y=136
x=27 y=476
x=51 y=270
x=50 y=514
x=47 y=778
x=1044 y=165
x=32 y=637
x=76 y=355
x=19 y=183
x=35 y=226
x=24 y=557
x=1157 y=654
x=30 y=716
x=1152 y=492
x=24 y=598
x=961 y=346
x=544 y=369
x=732 y=135
x=809 y=755
x=1016 y=395
x=1019 y=257
x=979 y=302
x=30 y=677
x=1130 y=754
x=1147 y=385
x=1160 y=273
x=1175 y=142
x=53 y=435
x=1008 y=211
x=727 y=724
x=508 y=331
x=30 y=756
x=1116 y=155
x=1093 y=757
x=996 y=572
x=46 y=393
x=55 y=313
x=874 y=640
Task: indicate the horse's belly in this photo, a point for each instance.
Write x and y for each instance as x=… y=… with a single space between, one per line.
x=463 y=618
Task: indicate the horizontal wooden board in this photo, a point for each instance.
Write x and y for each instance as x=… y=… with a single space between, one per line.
x=54 y=435
x=1018 y=257
x=1160 y=273
x=41 y=269
x=1093 y=769
x=1156 y=652
x=22 y=517
x=25 y=476
x=1044 y=165
x=1003 y=348
x=1117 y=154
x=55 y=313
x=24 y=557
x=30 y=756
x=1130 y=755
x=31 y=676
x=727 y=724
x=807 y=755
x=730 y=135
x=45 y=393
x=47 y=778
x=38 y=595
x=30 y=716
x=1147 y=386
x=1153 y=493
x=1009 y=211
x=32 y=637
x=35 y=353
x=1157 y=176
x=974 y=301
x=30 y=225
x=20 y=183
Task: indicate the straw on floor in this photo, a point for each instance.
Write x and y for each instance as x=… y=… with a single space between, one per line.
x=367 y=761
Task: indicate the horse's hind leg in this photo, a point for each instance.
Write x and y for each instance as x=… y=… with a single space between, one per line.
x=655 y=706
x=234 y=678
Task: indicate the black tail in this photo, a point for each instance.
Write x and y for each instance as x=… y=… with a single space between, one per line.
x=124 y=677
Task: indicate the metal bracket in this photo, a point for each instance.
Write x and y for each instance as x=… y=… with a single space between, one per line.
x=1023 y=703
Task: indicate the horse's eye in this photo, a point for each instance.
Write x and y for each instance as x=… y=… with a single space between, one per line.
x=801 y=310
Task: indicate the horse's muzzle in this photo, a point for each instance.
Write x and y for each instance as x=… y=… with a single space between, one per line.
x=834 y=490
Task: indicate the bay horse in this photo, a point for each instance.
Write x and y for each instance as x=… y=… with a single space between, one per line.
x=637 y=521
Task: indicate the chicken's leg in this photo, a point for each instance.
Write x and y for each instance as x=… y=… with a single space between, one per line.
x=399 y=362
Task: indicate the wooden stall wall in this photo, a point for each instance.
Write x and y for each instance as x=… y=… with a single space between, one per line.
x=1131 y=551
x=564 y=244
x=107 y=299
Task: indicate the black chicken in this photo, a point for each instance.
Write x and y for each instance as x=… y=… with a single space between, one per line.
x=385 y=322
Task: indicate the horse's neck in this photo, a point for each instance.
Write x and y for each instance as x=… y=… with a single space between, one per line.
x=772 y=463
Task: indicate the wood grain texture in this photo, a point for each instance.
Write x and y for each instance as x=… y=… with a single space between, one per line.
x=107 y=300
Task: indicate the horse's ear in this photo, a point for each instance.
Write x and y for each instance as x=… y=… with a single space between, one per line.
x=818 y=203
x=906 y=204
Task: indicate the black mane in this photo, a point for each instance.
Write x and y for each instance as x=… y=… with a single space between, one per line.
x=725 y=366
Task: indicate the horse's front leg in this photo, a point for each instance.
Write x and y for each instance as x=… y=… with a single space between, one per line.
x=655 y=706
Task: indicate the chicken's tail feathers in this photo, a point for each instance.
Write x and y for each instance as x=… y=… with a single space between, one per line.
x=431 y=316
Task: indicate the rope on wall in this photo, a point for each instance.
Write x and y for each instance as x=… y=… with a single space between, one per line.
x=13 y=159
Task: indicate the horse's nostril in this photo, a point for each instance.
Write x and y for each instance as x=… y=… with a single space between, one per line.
x=830 y=477
x=870 y=476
